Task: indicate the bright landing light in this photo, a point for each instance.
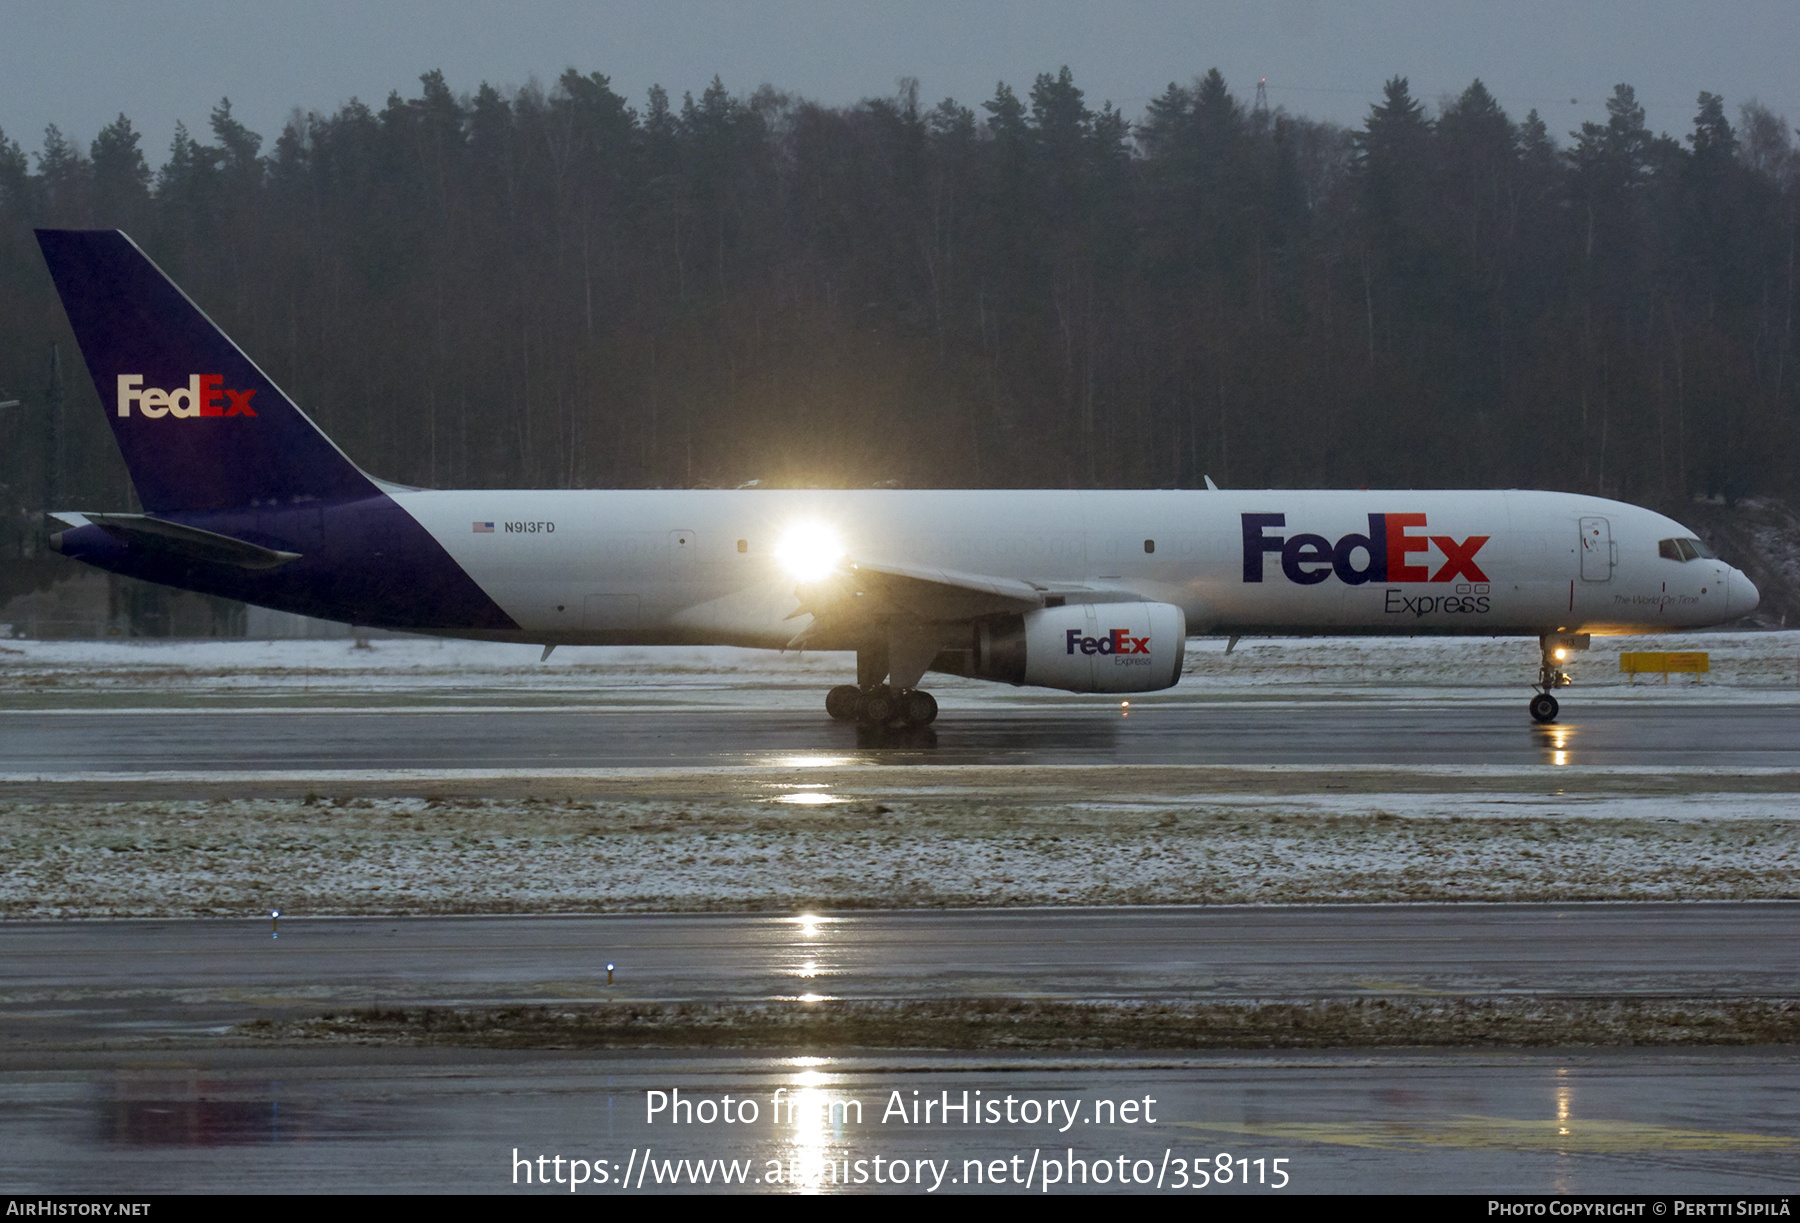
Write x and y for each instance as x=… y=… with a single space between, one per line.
x=809 y=551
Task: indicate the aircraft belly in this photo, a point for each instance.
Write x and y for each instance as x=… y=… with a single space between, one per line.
x=627 y=604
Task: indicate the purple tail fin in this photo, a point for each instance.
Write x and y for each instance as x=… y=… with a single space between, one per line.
x=201 y=427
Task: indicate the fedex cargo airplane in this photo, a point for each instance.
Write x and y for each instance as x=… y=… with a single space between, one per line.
x=245 y=497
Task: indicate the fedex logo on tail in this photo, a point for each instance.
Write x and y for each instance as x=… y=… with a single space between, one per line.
x=204 y=395
x=1383 y=555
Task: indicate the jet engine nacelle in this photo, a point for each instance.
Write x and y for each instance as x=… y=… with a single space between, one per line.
x=1085 y=647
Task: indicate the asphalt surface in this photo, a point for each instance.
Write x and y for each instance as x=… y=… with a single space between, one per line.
x=1323 y=733
x=80 y=982
x=113 y=1076
x=454 y=1120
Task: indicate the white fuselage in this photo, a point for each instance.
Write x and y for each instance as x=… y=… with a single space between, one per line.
x=701 y=566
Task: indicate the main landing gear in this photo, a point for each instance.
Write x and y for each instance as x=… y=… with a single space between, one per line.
x=880 y=705
x=1551 y=676
x=883 y=695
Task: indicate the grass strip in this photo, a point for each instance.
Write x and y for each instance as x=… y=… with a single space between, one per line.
x=1005 y=1023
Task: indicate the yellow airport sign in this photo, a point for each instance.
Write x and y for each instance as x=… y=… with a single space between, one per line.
x=1664 y=663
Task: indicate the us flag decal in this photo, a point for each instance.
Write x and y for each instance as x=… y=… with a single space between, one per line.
x=484 y=528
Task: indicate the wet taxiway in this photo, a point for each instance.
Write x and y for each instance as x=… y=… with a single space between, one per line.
x=1689 y=734
x=440 y=1120
x=82 y=983
x=117 y=1072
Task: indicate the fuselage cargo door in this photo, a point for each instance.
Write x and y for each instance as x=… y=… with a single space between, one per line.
x=1596 y=550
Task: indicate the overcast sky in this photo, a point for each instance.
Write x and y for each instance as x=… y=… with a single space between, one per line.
x=78 y=63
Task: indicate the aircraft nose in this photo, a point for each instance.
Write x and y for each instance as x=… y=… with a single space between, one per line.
x=1741 y=594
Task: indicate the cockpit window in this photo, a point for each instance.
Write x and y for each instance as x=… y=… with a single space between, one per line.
x=1683 y=550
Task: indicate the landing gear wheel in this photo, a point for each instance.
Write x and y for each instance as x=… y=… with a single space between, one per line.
x=1544 y=708
x=918 y=708
x=879 y=707
x=844 y=702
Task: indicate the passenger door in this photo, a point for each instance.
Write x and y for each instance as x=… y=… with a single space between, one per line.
x=1596 y=550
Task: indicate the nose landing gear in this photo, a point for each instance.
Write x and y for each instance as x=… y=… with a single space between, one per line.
x=880 y=705
x=1555 y=648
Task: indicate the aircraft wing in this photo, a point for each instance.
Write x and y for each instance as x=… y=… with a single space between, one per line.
x=867 y=592
x=858 y=592
x=939 y=594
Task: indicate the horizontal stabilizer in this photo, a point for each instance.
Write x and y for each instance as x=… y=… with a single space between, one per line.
x=178 y=542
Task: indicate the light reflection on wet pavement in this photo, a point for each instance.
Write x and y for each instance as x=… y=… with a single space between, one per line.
x=421 y=1120
x=1275 y=732
x=78 y=982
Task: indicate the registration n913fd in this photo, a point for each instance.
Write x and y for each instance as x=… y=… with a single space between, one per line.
x=244 y=497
